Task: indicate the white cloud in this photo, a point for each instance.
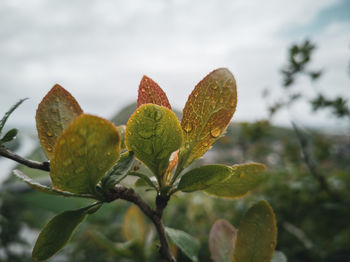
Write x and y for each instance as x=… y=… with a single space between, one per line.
x=99 y=50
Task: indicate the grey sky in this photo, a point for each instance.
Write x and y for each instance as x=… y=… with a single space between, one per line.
x=99 y=50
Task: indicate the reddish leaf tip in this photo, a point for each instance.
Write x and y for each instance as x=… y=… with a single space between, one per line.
x=151 y=93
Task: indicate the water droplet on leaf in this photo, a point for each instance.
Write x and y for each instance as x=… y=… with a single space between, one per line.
x=188 y=127
x=157 y=115
x=145 y=133
x=215 y=132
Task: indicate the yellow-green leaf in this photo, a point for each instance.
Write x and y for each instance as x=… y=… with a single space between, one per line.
x=221 y=241
x=85 y=151
x=47 y=189
x=55 y=113
x=244 y=178
x=134 y=225
x=203 y=177
x=153 y=133
x=57 y=233
x=257 y=235
x=207 y=113
x=187 y=244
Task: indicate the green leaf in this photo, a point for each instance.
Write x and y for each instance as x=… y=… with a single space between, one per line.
x=55 y=113
x=203 y=177
x=119 y=171
x=9 y=136
x=187 y=244
x=151 y=93
x=207 y=113
x=134 y=225
x=257 y=235
x=144 y=178
x=244 y=178
x=8 y=113
x=57 y=233
x=46 y=189
x=85 y=151
x=153 y=133
x=221 y=241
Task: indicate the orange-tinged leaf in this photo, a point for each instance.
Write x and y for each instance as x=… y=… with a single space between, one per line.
x=85 y=151
x=257 y=235
x=134 y=225
x=151 y=93
x=207 y=113
x=55 y=113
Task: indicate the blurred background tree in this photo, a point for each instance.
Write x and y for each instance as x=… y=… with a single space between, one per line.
x=307 y=185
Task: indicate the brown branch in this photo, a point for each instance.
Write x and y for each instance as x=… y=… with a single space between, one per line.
x=128 y=194
x=118 y=192
x=29 y=163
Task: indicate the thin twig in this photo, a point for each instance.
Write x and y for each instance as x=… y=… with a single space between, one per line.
x=29 y=163
x=128 y=194
x=312 y=165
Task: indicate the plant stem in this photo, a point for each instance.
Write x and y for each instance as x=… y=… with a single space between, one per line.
x=128 y=194
x=118 y=192
x=29 y=163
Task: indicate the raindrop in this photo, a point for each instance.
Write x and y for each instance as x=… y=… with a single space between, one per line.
x=146 y=133
x=188 y=127
x=159 y=131
x=215 y=132
x=157 y=115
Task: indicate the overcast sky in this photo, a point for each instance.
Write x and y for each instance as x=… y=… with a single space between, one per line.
x=99 y=50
